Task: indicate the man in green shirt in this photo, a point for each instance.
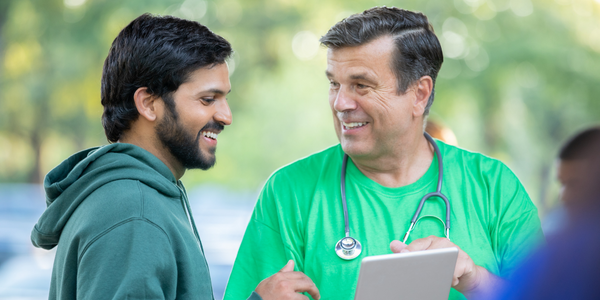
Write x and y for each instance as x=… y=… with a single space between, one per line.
x=382 y=65
x=118 y=214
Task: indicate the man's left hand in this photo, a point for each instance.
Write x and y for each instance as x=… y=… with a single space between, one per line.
x=473 y=281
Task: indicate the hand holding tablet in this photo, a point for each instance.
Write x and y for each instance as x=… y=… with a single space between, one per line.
x=473 y=281
x=423 y=275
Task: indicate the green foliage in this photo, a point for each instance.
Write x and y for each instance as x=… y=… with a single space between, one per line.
x=518 y=78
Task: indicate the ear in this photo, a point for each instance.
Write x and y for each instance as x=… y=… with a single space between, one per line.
x=423 y=88
x=146 y=104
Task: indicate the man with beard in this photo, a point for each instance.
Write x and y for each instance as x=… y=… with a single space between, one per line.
x=119 y=213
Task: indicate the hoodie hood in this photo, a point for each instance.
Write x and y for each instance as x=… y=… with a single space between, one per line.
x=77 y=177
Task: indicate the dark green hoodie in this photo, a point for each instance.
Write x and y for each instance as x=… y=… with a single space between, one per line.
x=120 y=220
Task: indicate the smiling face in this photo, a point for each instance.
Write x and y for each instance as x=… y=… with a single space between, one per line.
x=189 y=129
x=371 y=119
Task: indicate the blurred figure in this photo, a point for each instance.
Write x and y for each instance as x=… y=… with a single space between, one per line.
x=441 y=132
x=569 y=266
x=579 y=172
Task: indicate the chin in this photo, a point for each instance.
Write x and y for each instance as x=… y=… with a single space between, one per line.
x=352 y=149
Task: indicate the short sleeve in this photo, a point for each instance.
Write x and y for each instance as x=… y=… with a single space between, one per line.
x=518 y=229
x=263 y=251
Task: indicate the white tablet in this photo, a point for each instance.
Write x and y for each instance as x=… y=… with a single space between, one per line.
x=423 y=275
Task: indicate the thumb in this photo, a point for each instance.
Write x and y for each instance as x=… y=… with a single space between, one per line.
x=397 y=246
x=289 y=267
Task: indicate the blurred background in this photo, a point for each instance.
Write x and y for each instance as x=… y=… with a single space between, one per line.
x=519 y=77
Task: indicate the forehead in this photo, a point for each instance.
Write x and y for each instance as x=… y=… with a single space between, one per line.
x=573 y=169
x=372 y=57
x=214 y=77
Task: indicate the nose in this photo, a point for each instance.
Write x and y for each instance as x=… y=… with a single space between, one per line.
x=223 y=114
x=343 y=100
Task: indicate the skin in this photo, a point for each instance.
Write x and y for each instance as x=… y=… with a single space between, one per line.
x=199 y=100
x=390 y=149
x=578 y=179
x=287 y=284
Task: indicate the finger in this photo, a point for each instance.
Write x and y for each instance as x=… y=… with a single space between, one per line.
x=455 y=281
x=305 y=284
x=289 y=267
x=397 y=246
x=418 y=245
x=314 y=292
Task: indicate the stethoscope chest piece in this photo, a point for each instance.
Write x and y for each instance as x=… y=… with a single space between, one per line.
x=348 y=248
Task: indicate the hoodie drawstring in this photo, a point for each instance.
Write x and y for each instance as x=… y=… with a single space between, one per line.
x=188 y=212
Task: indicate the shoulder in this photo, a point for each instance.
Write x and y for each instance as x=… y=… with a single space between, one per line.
x=108 y=205
x=115 y=194
x=291 y=187
x=309 y=167
x=117 y=202
x=474 y=162
x=119 y=205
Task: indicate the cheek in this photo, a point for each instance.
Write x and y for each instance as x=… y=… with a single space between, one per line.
x=199 y=116
x=388 y=110
x=332 y=97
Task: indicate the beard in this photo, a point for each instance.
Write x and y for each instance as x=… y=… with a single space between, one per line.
x=182 y=144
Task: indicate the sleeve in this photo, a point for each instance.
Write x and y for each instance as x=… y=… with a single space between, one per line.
x=517 y=232
x=133 y=260
x=263 y=251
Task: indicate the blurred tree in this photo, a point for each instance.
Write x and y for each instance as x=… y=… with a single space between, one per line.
x=518 y=77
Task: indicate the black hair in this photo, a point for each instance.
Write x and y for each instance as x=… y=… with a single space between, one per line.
x=584 y=145
x=157 y=52
x=418 y=51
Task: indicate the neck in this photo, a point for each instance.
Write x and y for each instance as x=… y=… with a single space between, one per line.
x=409 y=162
x=154 y=146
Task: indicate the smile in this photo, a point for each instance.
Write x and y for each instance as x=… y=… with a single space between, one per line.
x=353 y=125
x=210 y=134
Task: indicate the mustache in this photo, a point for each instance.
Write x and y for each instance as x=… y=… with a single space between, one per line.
x=212 y=125
x=348 y=115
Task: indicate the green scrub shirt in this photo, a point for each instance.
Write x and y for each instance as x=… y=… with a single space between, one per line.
x=299 y=216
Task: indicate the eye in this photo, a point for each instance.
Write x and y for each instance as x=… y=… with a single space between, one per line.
x=333 y=85
x=361 y=86
x=208 y=100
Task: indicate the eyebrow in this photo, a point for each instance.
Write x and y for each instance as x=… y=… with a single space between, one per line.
x=362 y=76
x=215 y=91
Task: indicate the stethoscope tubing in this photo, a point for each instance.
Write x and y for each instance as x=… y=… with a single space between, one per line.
x=343 y=187
x=437 y=193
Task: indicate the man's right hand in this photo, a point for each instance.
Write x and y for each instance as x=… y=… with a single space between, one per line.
x=287 y=284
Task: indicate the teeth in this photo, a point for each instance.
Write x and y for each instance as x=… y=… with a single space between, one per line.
x=209 y=134
x=354 y=124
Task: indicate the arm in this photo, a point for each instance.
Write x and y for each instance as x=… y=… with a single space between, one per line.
x=513 y=227
x=266 y=247
x=256 y=269
x=132 y=260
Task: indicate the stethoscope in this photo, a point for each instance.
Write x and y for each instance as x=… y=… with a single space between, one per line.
x=349 y=248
